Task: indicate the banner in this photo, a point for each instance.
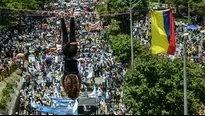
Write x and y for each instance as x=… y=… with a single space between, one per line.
x=62 y=103
x=62 y=100
x=57 y=111
x=60 y=106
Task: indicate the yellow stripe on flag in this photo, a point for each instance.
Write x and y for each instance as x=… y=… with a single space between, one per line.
x=159 y=37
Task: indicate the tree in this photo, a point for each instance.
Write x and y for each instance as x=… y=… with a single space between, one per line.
x=114 y=28
x=154 y=85
x=16 y=7
x=121 y=43
x=113 y=7
x=196 y=7
x=121 y=46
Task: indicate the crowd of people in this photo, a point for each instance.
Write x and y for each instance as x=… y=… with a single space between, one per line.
x=194 y=40
x=191 y=35
x=41 y=46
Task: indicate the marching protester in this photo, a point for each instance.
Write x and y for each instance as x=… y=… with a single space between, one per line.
x=68 y=54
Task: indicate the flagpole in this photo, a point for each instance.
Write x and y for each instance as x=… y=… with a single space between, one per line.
x=185 y=76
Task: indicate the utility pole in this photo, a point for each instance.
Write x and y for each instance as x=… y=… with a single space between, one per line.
x=189 y=12
x=185 y=75
x=201 y=43
x=131 y=34
x=159 y=3
x=131 y=6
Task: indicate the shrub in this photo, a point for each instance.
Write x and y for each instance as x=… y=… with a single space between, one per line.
x=9 y=86
x=3 y=103
x=5 y=92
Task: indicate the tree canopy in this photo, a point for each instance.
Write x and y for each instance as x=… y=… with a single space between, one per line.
x=121 y=43
x=18 y=6
x=182 y=6
x=154 y=84
x=121 y=6
x=24 y=4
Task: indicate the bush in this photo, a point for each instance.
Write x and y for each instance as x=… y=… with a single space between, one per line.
x=9 y=86
x=3 y=103
x=5 y=92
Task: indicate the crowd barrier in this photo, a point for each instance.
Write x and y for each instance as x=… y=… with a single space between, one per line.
x=8 y=71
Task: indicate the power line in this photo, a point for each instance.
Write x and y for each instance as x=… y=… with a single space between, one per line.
x=101 y=13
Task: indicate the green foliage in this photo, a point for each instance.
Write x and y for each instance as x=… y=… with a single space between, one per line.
x=2 y=27
x=5 y=92
x=3 y=103
x=154 y=85
x=18 y=6
x=121 y=46
x=9 y=86
x=117 y=6
x=24 y=4
x=113 y=28
x=194 y=2
x=121 y=43
x=184 y=4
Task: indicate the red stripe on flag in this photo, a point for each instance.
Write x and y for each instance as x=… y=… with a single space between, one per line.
x=172 y=43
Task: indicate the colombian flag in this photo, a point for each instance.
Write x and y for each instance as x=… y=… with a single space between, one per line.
x=163 y=35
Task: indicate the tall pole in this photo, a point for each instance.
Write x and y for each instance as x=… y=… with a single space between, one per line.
x=185 y=79
x=201 y=48
x=131 y=34
x=201 y=43
x=189 y=12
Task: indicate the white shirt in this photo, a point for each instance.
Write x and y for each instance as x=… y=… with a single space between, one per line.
x=39 y=103
x=99 y=93
x=107 y=95
x=33 y=104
